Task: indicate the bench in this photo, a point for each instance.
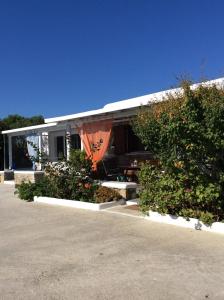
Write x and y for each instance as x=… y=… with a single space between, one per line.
x=126 y=189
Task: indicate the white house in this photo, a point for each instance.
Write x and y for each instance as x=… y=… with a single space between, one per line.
x=106 y=129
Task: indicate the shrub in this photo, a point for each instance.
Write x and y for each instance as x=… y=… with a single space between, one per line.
x=27 y=190
x=78 y=162
x=72 y=179
x=105 y=194
x=185 y=133
x=64 y=179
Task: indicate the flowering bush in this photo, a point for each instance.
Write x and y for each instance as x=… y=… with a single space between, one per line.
x=64 y=179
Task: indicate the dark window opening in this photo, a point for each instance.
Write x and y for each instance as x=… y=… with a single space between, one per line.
x=125 y=141
x=60 y=142
x=75 y=141
x=20 y=155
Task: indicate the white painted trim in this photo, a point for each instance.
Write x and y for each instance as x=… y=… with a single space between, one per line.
x=9 y=182
x=132 y=202
x=36 y=127
x=193 y=223
x=119 y=185
x=28 y=172
x=10 y=151
x=76 y=204
x=133 y=102
x=68 y=141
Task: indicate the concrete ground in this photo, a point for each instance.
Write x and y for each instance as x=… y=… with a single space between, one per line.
x=49 y=252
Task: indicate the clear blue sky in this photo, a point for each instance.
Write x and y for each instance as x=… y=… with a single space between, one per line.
x=62 y=57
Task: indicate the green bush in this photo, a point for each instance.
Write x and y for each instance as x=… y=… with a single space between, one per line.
x=185 y=133
x=27 y=190
x=78 y=162
x=105 y=194
x=64 y=179
x=169 y=194
x=72 y=179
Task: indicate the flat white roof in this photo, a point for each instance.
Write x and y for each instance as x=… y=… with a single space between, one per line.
x=115 y=107
x=131 y=103
x=36 y=127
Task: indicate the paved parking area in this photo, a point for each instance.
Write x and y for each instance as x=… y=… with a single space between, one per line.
x=49 y=252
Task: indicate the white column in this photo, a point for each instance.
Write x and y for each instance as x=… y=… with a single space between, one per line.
x=68 y=141
x=82 y=146
x=40 y=150
x=10 y=151
x=45 y=143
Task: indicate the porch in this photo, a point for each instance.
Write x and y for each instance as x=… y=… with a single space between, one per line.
x=53 y=142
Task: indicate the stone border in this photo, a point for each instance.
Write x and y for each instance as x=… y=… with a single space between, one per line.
x=75 y=203
x=26 y=176
x=6 y=176
x=193 y=223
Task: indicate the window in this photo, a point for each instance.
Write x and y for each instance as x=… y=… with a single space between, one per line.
x=60 y=143
x=75 y=141
x=125 y=141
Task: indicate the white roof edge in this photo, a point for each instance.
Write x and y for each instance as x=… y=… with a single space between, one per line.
x=158 y=96
x=75 y=116
x=41 y=126
x=132 y=102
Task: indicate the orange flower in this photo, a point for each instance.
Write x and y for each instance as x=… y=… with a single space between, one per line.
x=87 y=185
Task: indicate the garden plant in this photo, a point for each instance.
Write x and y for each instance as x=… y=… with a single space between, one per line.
x=185 y=132
x=68 y=179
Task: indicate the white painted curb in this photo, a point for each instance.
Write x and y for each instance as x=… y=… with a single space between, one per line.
x=182 y=222
x=75 y=203
x=132 y=202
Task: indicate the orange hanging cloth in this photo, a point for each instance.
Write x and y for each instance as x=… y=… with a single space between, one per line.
x=96 y=138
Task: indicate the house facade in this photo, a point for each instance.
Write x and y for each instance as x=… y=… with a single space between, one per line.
x=104 y=133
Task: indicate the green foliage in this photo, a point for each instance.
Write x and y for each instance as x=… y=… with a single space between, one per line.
x=17 y=121
x=105 y=194
x=78 y=162
x=65 y=179
x=207 y=217
x=204 y=216
x=186 y=133
x=27 y=190
x=174 y=194
x=71 y=179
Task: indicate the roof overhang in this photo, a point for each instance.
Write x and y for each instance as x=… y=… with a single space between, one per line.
x=116 y=110
x=131 y=104
x=39 y=128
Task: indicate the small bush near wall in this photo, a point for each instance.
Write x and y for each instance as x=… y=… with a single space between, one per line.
x=27 y=190
x=185 y=132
